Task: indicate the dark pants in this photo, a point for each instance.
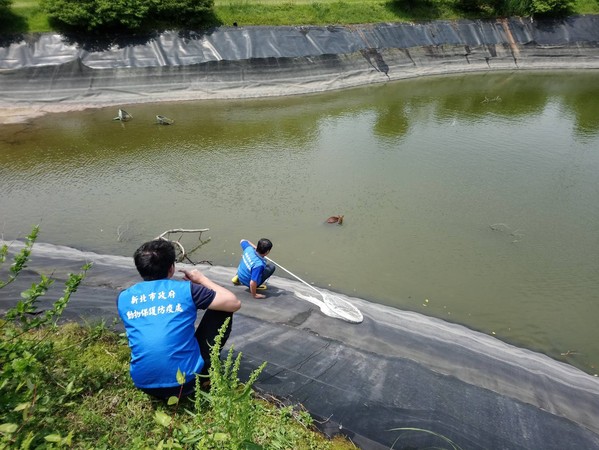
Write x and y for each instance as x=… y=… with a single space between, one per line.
x=269 y=269
x=205 y=334
x=208 y=330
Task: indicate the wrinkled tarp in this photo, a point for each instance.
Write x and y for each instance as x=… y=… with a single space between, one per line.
x=234 y=44
x=395 y=369
x=236 y=62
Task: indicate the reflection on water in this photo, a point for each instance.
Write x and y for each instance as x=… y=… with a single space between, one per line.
x=469 y=198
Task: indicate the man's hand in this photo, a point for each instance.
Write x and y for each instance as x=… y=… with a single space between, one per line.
x=249 y=242
x=224 y=300
x=193 y=275
x=254 y=288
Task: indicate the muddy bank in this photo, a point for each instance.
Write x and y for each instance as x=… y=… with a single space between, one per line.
x=49 y=73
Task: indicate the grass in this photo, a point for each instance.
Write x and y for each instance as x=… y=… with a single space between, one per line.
x=86 y=399
x=329 y=12
x=26 y=16
x=587 y=6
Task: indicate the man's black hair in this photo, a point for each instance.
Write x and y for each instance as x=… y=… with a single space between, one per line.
x=264 y=246
x=154 y=259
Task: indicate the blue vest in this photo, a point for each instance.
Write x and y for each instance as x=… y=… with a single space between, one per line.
x=159 y=318
x=250 y=261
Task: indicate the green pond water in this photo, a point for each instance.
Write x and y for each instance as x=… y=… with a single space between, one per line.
x=472 y=198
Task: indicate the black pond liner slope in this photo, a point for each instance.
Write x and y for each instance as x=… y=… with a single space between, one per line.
x=57 y=71
x=396 y=369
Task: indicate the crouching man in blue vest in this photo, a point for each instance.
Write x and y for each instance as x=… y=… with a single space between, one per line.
x=254 y=270
x=159 y=314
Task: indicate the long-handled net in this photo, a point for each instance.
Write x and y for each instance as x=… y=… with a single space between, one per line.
x=331 y=305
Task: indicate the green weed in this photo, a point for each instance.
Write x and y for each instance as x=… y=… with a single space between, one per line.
x=25 y=353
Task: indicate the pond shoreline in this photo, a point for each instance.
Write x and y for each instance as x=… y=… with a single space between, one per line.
x=44 y=74
x=394 y=369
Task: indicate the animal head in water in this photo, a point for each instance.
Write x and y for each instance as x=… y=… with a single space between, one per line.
x=335 y=219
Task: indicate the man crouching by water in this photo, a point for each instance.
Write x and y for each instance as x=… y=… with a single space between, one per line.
x=159 y=315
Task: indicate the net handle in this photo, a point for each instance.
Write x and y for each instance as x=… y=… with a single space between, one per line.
x=295 y=276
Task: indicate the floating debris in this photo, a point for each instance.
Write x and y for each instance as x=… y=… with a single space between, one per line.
x=123 y=116
x=162 y=120
x=489 y=100
x=500 y=227
x=504 y=228
x=181 y=254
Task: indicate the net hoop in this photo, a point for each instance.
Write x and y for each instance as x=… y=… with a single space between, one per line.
x=344 y=309
x=334 y=306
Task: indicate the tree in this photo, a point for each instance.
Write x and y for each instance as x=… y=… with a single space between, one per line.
x=551 y=7
x=90 y=15
x=5 y=7
x=126 y=15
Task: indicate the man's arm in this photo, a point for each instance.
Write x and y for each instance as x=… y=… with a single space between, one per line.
x=253 y=287
x=224 y=300
x=249 y=242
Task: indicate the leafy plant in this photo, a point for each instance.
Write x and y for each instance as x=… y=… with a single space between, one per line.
x=231 y=401
x=229 y=404
x=22 y=359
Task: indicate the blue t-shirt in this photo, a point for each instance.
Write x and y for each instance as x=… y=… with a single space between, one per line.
x=251 y=265
x=159 y=318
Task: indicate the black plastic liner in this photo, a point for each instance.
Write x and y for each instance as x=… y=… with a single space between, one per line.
x=396 y=369
x=237 y=62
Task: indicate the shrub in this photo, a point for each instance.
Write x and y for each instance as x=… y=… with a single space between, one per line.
x=89 y=15
x=125 y=15
x=518 y=7
x=185 y=13
x=551 y=7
